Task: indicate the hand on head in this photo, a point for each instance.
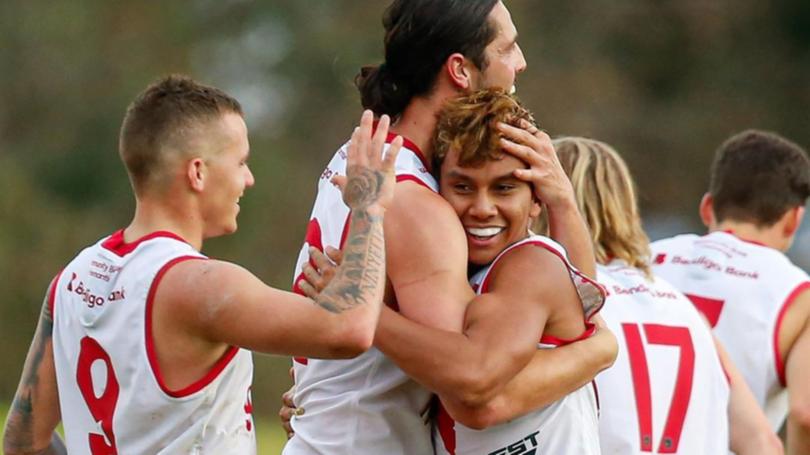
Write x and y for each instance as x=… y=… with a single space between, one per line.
x=533 y=146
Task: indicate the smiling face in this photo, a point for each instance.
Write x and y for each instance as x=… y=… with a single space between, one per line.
x=228 y=175
x=494 y=206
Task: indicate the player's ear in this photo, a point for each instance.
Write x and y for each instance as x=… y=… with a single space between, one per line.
x=459 y=70
x=196 y=172
x=707 y=210
x=535 y=210
x=792 y=219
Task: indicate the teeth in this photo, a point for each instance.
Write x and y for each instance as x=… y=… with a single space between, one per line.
x=485 y=232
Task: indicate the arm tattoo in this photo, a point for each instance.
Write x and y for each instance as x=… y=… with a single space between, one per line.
x=19 y=432
x=363 y=187
x=363 y=268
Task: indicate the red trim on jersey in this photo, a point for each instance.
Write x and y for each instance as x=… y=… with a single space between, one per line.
x=590 y=328
x=754 y=242
x=150 y=342
x=780 y=362
x=117 y=245
x=52 y=293
x=314 y=239
x=407 y=143
x=596 y=395
x=447 y=429
x=412 y=178
x=313 y=236
x=345 y=232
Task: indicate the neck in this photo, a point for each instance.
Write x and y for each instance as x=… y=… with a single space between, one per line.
x=151 y=216
x=418 y=120
x=770 y=236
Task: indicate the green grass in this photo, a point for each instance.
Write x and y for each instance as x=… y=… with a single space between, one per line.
x=270 y=438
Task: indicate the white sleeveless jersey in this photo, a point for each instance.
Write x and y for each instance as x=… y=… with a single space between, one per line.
x=667 y=391
x=365 y=405
x=111 y=393
x=742 y=288
x=567 y=426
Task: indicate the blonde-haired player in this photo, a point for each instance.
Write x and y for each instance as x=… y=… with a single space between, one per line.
x=667 y=392
x=142 y=343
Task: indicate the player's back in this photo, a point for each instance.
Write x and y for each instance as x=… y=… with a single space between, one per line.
x=111 y=390
x=365 y=405
x=566 y=426
x=742 y=288
x=666 y=392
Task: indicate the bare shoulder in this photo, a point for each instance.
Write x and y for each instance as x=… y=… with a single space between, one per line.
x=529 y=270
x=422 y=222
x=202 y=274
x=795 y=320
x=426 y=258
x=194 y=285
x=420 y=207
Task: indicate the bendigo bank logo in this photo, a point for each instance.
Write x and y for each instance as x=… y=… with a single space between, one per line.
x=92 y=300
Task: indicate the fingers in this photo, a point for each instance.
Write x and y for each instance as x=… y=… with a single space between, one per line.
x=528 y=135
x=286 y=414
x=288 y=410
x=389 y=163
x=339 y=181
x=334 y=254
x=377 y=142
x=525 y=175
x=530 y=127
x=287 y=399
x=321 y=261
x=364 y=138
x=308 y=289
x=313 y=277
x=522 y=152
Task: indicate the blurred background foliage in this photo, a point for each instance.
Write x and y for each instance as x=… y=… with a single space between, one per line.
x=663 y=81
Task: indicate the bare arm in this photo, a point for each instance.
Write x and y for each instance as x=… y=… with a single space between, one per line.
x=34 y=413
x=500 y=335
x=455 y=365
x=552 y=187
x=426 y=250
x=222 y=303
x=551 y=374
x=797 y=375
x=749 y=429
x=426 y=260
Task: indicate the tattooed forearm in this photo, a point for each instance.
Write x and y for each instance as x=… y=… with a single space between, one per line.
x=362 y=188
x=19 y=434
x=362 y=272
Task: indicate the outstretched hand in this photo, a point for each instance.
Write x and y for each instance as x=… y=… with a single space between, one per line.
x=370 y=178
x=545 y=173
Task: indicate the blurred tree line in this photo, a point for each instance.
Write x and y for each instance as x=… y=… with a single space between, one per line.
x=663 y=81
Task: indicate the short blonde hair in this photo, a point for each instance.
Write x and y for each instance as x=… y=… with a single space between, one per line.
x=606 y=197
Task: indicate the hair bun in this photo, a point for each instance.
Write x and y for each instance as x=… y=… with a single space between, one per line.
x=380 y=92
